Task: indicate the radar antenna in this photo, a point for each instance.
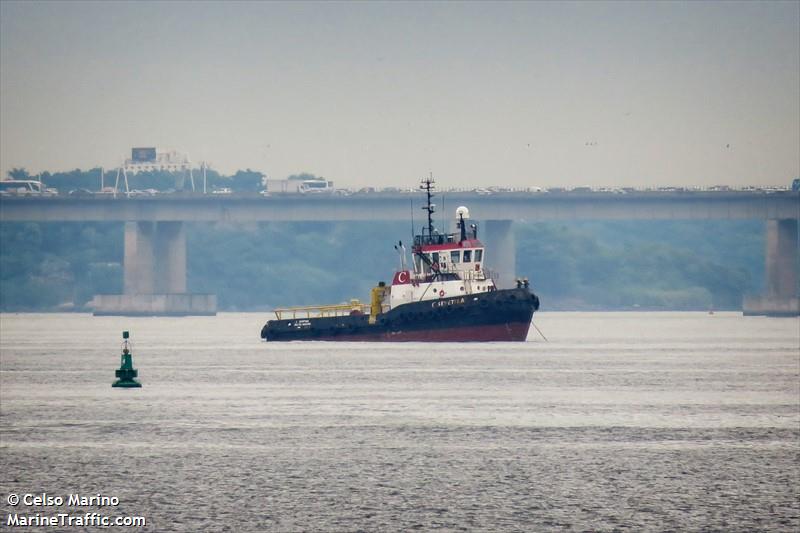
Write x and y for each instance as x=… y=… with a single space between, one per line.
x=428 y=186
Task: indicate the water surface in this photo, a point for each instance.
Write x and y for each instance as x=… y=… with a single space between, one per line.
x=622 y=421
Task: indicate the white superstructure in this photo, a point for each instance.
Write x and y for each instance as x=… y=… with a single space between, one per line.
x=444 y=266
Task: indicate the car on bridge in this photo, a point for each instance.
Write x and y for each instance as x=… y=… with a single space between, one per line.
x=25 y=188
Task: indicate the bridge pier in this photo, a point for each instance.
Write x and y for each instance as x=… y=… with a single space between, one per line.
x=139 y=275
x=781 y=298
x=155 y=275
x=170 y=258
x=501 y=251
x=155 y=258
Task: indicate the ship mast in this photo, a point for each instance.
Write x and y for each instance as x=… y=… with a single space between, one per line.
x=428 y=186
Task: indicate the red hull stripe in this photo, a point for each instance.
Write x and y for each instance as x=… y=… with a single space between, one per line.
x=469 y=243
x=513 y=332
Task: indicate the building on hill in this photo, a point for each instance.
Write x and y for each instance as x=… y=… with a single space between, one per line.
x=153 y=159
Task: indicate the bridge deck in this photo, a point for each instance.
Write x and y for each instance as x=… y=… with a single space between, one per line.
x=503 y=206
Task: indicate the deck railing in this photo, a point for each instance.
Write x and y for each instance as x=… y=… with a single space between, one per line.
x=318 y=311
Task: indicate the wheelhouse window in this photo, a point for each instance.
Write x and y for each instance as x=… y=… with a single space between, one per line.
x=467 y=256
x=455 y=256
x=435 y=257
x=478 y=255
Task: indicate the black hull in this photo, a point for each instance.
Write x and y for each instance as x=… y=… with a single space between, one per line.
x=503 y=315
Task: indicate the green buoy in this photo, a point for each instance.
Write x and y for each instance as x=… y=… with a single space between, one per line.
x=126 y=373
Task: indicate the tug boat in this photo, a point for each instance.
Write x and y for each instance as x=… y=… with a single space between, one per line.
x=448 y=295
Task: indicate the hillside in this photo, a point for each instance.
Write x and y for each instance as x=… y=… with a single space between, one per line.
x=598 y=265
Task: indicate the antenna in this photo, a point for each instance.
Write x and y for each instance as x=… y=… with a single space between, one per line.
x=413 y=241
x=116 y=182
x=444 y=221
x=428 y=186
x=412 y=220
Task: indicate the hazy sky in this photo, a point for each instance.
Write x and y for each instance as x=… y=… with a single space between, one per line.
x=522 y=93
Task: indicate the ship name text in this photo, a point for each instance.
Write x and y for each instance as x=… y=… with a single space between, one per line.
x=447 y=303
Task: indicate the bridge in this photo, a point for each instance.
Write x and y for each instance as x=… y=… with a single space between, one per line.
x=155 y=239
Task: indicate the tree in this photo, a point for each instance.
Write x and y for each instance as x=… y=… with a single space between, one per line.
x=247 y=181
x=160 y=180
x=74 y=179
x=18 y=174
x=303 y=176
